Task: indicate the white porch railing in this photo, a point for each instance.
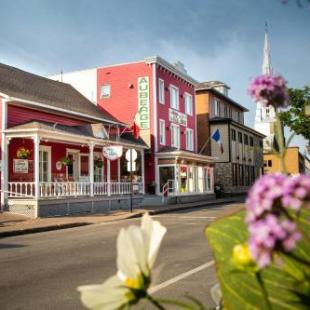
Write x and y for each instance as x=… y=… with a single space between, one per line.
x=21 y=189
x=72 y=189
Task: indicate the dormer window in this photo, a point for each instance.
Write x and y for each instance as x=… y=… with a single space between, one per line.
x=105 y=91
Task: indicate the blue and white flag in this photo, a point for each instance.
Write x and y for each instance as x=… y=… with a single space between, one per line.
x=217 y=138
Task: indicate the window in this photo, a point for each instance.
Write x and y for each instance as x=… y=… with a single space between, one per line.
x=175 y=136
x=233 y=134
x=105 y=91
x=240 y=117
x=265 y=163
x=269 y=163
x=240 y=137
x=241 y=175
x=161 y=89
x=189 y=139
x=188 y=104
x=251 y=141
x=225 y=111
x=216 y=107
x=229 y=112
x=162 y=132
x=246 y=139
x=261 y=144
x=44 y=163
x=174 y=97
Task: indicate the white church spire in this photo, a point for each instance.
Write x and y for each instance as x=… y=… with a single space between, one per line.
x=267 y=68
x=265 y=116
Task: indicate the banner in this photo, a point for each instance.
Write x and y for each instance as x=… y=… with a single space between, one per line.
x=112 y=152
x=143 y=117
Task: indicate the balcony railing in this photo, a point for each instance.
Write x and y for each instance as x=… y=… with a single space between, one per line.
x=72 y=189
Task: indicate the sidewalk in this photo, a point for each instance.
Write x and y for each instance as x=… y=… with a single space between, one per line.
x=13 y=224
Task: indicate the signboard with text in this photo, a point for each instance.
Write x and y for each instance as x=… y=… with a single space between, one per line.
x=20 y=165
x=177 y=117
x=143 y=117
x=112 y=152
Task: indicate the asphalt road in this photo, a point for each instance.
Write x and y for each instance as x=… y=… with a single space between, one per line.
x=42 y=271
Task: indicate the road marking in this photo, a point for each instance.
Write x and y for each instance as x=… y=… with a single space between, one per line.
x=186 y=217
x=181 y=276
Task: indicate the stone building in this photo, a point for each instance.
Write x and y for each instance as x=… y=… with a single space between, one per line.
x=239 y=149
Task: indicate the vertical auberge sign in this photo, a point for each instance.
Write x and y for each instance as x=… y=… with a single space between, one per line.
x=143 y=102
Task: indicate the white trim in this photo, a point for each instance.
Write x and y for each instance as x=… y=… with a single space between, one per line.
x=192 y=139
x=155 y=106
x=4 y=153
x=186 y=94
x=48 y=149
x=178 y=135
x=171 y=86
x=171 y=68
x=161 y=96
x=162 y=132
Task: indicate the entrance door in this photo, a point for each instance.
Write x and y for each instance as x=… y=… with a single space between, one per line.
x=73 y=168
x=166 y=173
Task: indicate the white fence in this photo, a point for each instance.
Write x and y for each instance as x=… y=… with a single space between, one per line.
x=72 y=189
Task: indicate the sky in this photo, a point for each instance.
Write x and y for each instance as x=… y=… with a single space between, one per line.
x=215 y=39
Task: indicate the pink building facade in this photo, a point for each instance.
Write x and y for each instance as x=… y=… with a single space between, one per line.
x=160 y=97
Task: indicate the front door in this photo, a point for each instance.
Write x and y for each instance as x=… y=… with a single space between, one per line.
x=166 y=173
x=73 y=168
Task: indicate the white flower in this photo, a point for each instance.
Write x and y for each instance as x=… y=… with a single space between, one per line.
x=137 y=249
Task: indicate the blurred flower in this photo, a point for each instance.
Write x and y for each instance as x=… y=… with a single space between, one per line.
x=269 y=90
x=270 y=225
x=242 y=256
x=137 y=249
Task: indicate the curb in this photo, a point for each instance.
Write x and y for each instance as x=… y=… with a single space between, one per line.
x=130 y=216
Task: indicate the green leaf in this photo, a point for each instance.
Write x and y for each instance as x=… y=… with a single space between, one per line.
x=286 y=281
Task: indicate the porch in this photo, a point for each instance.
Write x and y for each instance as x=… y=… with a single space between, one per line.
x=49 y=165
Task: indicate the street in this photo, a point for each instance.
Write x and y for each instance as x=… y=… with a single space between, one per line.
x=42 y=271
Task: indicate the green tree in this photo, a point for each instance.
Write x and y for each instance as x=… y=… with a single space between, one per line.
x=295 y=118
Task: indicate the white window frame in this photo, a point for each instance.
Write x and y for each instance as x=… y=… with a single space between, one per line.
x=217 y=107
x=161 y=91
x=189 y=147
x=176 y=107
x=48 y=149
x=107 y=86
x=188 y=104
x=177 y=128
x=162 y=132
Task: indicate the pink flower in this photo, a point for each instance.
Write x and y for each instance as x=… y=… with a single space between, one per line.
x=269 y=90
x=269 y=224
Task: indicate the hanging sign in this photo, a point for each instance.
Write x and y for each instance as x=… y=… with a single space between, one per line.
x=143 y=117
x=112 y=152
x=21 y=165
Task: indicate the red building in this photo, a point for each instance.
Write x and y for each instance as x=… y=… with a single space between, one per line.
x=161 y=98
x=52 y=144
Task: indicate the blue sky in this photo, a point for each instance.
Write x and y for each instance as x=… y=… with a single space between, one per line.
x=215 y=39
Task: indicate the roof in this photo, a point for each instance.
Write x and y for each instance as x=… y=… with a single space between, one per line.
x=217 y=120
x=206 y=87
x=23 y=85
x=87 y=130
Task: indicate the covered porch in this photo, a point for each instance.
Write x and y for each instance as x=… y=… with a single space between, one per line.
x=182 y=173
x=49 y=163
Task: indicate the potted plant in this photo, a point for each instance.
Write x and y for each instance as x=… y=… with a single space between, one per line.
x=22 y=153
x=98 y=162
x=66 y=161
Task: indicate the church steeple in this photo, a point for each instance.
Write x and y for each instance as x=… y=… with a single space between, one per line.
x=265 y=116
x=267 y=68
